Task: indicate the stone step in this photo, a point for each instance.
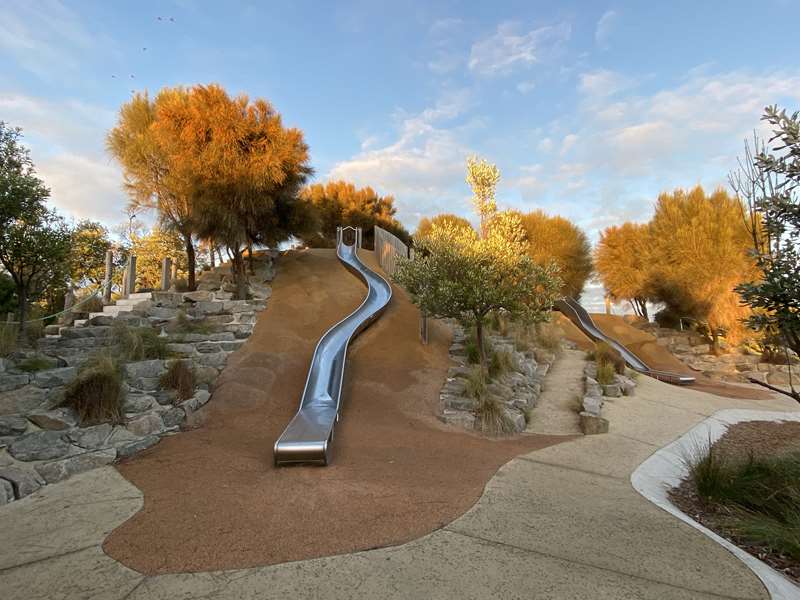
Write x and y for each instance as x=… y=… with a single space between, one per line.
x=80 y=322
x=139 y=296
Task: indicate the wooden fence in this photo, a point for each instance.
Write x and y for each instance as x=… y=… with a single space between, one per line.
x=387 y=248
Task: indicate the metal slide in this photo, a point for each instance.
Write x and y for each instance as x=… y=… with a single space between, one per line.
x=578 y=315
x=307 y=438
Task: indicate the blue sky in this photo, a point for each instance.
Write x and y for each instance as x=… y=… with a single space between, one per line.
x=590 y=109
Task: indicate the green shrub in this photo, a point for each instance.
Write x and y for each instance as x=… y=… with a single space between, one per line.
x=492 y=417
x=35 y=363
x=473 y=355
x=605 y=373
x=183 y=324
x=604 y=353
x=179 y=377
x=8 y=339
x=96 y=393
x=548 y=337
x=476 y=383
x=501 y=362
x=139 y=343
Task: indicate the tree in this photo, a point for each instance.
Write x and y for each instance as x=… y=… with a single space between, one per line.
x=456 y=274
x=151 y=249
x=699 y=254
x=558 y=239
x=34 y=249
x=152 y=178
x=87 y=261
x=621 y=260
x=246 y=169
x=482 y=177
x=338 y=203
x=426 y=224
x=768 y=181
x=21 y=191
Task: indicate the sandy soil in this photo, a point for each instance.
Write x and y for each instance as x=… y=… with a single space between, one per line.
x=213 y=499
x=644 y=345
x=555 y=412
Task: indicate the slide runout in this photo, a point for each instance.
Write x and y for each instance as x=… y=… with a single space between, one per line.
x=308 y=437
x=571 y=309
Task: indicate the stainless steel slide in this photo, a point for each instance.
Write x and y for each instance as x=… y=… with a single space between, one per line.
x=578 y=315
x=307 y=438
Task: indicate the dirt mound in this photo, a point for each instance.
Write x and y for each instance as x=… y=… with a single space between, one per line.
x=213 y=499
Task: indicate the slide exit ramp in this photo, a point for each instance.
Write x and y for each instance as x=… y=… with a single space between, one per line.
x=308 y=437
x=578 y=315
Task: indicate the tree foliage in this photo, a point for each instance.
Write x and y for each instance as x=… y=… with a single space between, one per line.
x=21 y=191
x=244 y=167
x=150 y=249
x=482 y=178
x=87 y=260
x=700 y=253
x=768 y=181
x=623 y=264
x=556 y=239
x=148 y=159
x=338 y=203
x=426 y=224
x=456 y=274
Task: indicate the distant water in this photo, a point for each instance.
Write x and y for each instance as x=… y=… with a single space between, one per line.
x=592 y=299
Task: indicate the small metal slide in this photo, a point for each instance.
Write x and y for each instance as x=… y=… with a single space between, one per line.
x=307 y=438
x=578 y=315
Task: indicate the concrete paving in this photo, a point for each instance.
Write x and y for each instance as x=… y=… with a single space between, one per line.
x=563 y=522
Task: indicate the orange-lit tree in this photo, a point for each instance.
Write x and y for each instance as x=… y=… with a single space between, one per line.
x=426 y=224
x=244 y=167
x=556 y=239
x=621 y=261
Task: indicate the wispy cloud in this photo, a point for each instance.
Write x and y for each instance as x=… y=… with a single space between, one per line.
x=605 y=27
x=510 y=48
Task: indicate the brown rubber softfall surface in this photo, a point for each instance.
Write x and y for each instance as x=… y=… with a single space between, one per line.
x=657 y=357
x=213 y=499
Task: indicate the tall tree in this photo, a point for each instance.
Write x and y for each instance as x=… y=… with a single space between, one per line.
x=700 y=253
x=768 y=179
x=426 y=224
x=151 y=249
x=246 y=169
x=621 y=260
x=341 y=203
x=455 y=274
x=152 y=178
x=21 y=191
x=87 y=259
x=558 y=239
x=482 y=178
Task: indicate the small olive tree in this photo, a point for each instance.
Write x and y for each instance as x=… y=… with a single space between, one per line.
x=456 y=274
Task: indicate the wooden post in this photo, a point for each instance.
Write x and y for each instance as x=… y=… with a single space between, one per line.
x=125 y=290
x=69 y=299
x=607 y=300
x=166 y=273
x=132 y=274
x=109 y=275
x=211 y=253
x=423 y=328
x=173 y=275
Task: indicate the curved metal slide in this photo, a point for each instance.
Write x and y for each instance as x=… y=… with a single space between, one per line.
x=578 y=315
x=307 y=438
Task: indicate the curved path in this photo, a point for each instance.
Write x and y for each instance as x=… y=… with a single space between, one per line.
x=214 y=500
x=563 y=522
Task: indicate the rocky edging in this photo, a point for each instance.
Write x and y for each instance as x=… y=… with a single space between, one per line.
x=591 y=419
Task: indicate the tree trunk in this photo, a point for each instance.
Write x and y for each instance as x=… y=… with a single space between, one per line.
x=250 y=264
x=211 y=253
x=479 y=341
x=714 y=342
x=240 y=275
x=22 y=309
x=191 y=262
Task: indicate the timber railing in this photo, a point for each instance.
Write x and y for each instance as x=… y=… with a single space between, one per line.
x=387 y=248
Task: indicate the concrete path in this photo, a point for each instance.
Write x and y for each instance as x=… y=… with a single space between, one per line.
x=555 y=412
x=563 y=522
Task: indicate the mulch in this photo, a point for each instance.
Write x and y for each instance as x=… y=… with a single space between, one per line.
x=212 y=497
x=759 y=438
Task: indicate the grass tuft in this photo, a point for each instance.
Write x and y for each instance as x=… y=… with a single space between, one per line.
x=492 y=417
x=179 y=377
x=96 y=393
x=605 y=373
x=35 y=363
x=500 y=363
x=139 y=343
x=476 y=383
x=548 y=337
x=604 y=353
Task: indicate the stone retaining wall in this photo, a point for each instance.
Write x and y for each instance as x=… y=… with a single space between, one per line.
x=595 y=394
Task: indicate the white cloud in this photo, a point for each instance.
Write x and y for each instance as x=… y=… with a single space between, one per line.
x=448 y=54
x=545 y=146
x=605 y=26
x=422 y=165
x=567 y=143
x=602 y=83
x=524 y=87
x=507 y=49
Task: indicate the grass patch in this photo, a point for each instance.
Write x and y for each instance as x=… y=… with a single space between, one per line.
x=179 y=377
x=139 y=343
x=473 y=354
x=183 y=324
x=605 y=373
x=759 y=496
x=8 y=339
x=548 y=337
x=500 y=363
x=605 y=354
x=96 y=393
x=476 y=383
x=35 y=363
x=493 y=419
